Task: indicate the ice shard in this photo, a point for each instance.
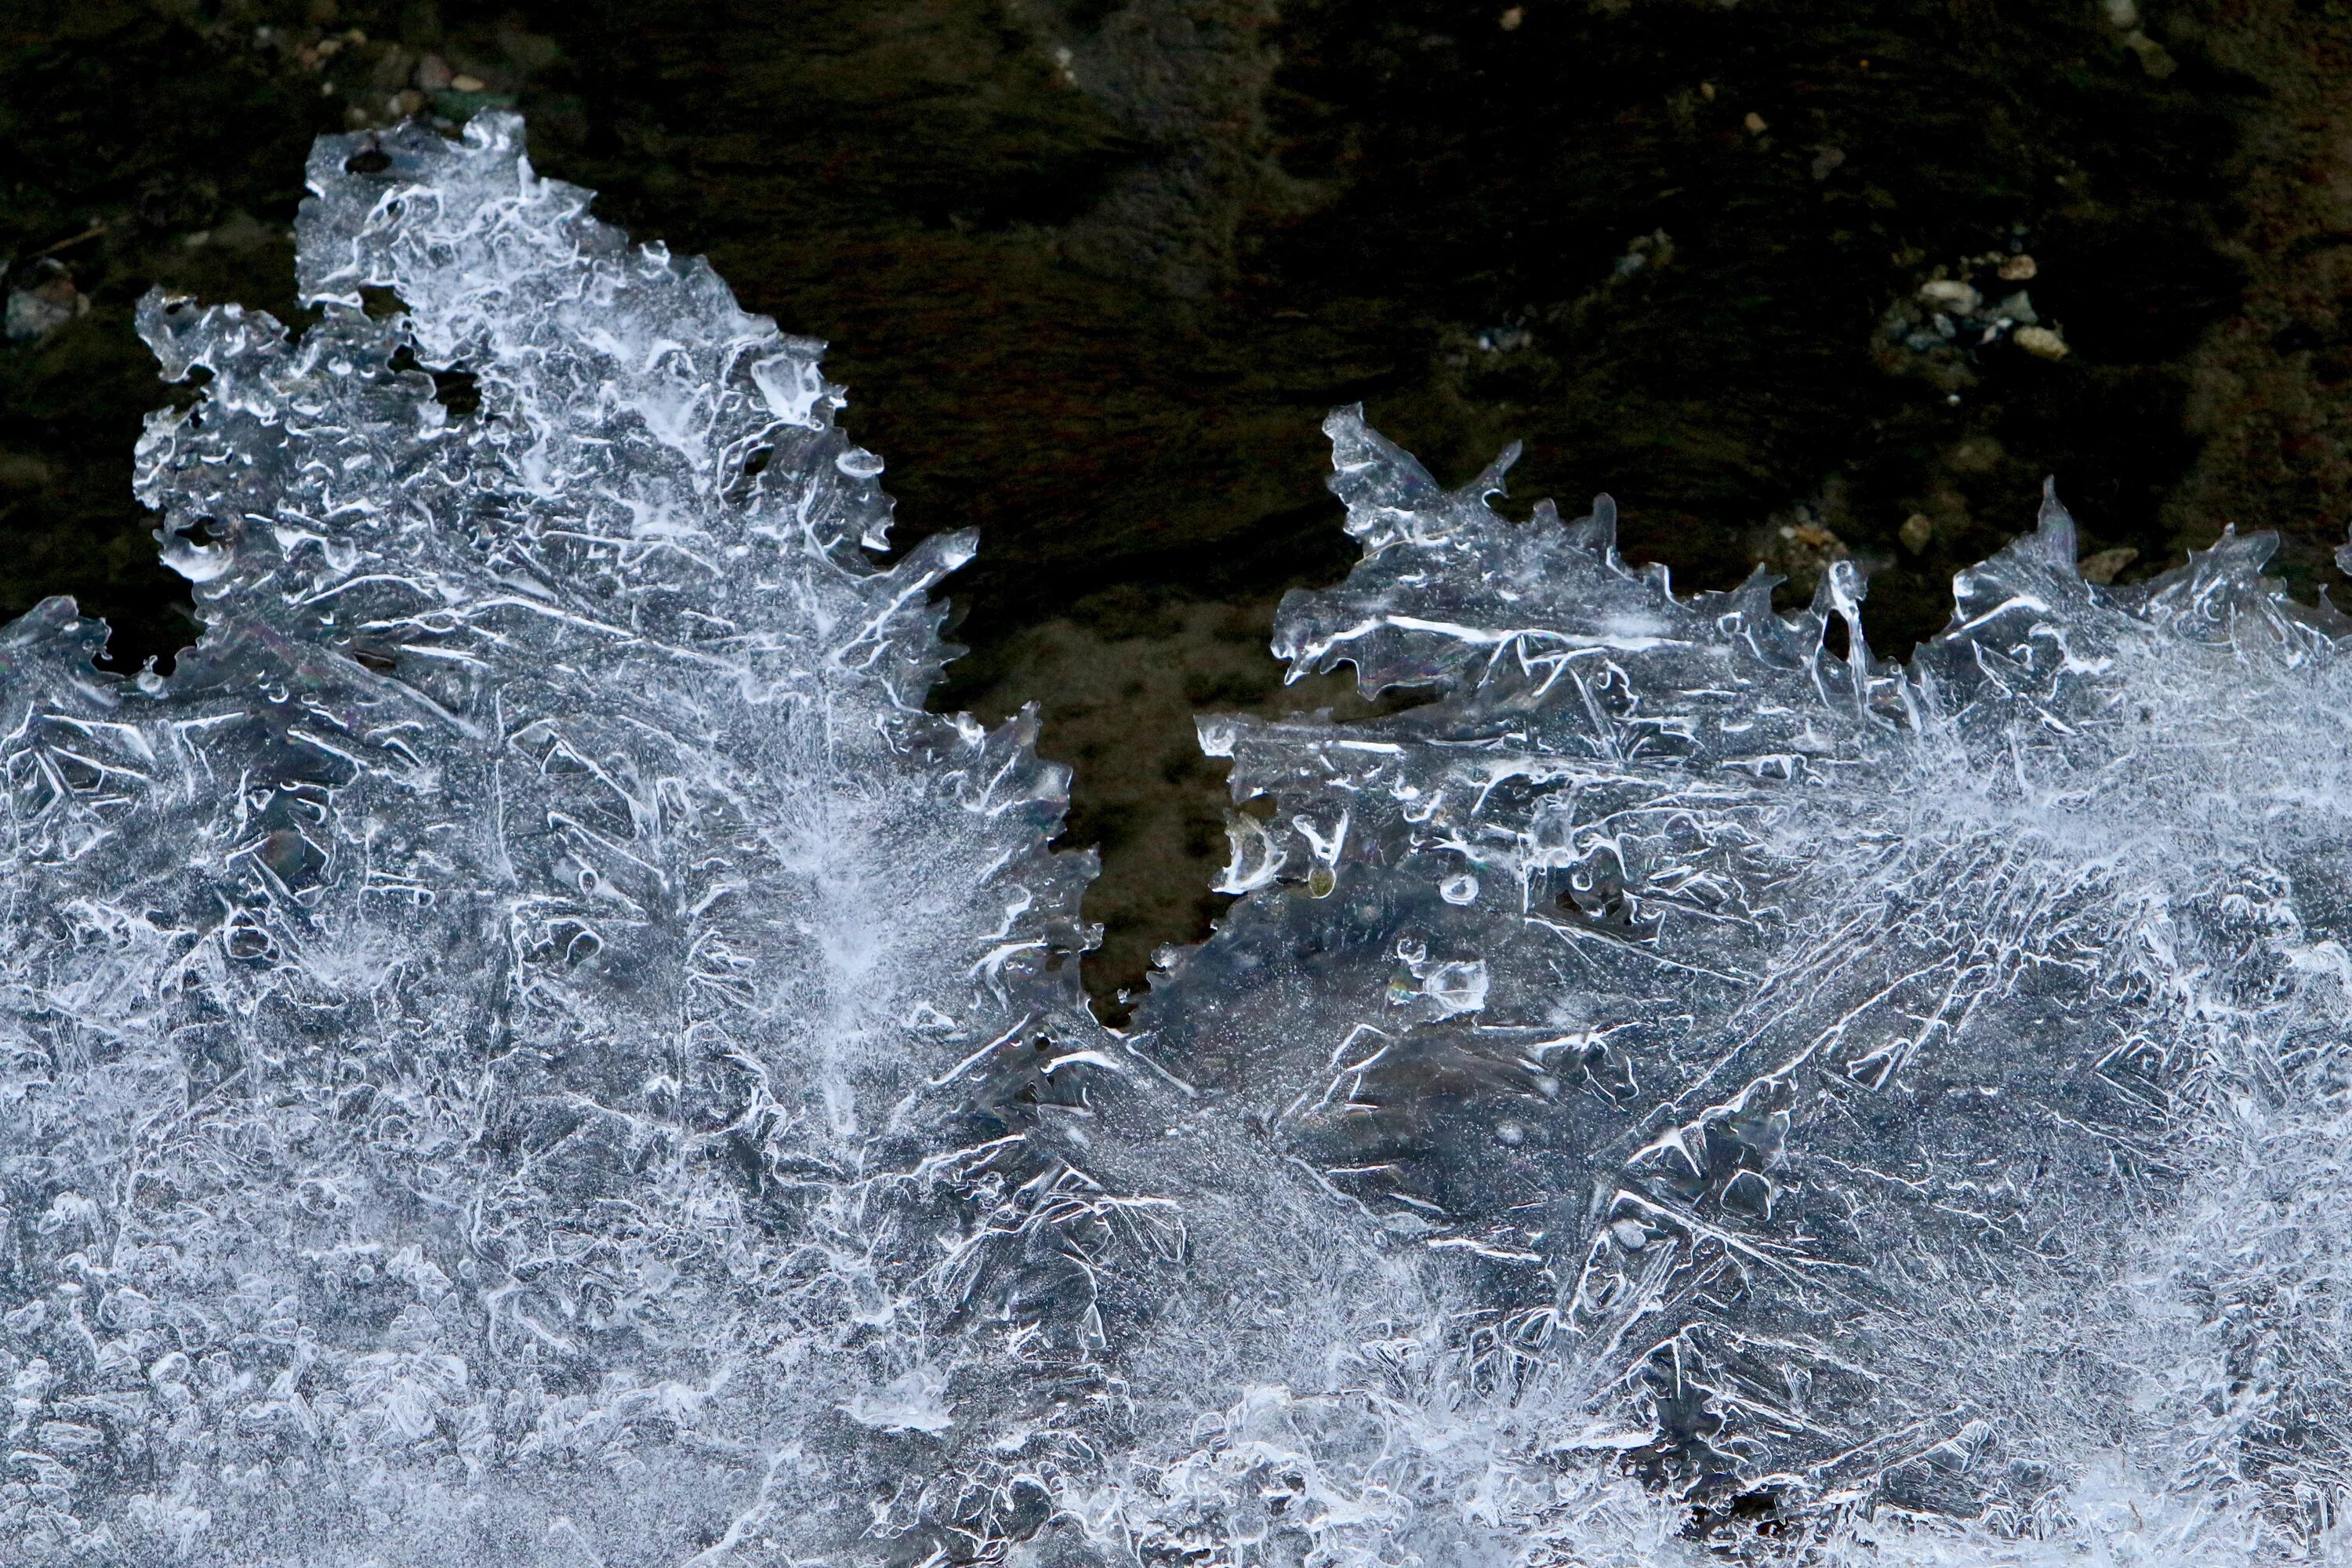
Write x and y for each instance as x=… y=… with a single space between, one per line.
x=529 y=1046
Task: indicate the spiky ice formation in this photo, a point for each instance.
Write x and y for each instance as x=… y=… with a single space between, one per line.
x=1907 y=1104
x=495 y=1048
x=529 y=1047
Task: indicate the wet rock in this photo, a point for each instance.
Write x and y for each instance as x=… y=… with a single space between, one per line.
x=1950 y=294
x=1654 y=249
x=529 y=51
x=1798 y=546
x=1976 y=455
x=2042 y=342
x=433 y=75
x=394 y=68
x=241 y=231
x=2102 y=567
x=47 y=303
x=22 y=471
x=2018 y=268
x=2153 y=57
x=1917 y=531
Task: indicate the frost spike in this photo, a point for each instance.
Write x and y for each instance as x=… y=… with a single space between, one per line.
x=2054 y=529
x=1597 y=529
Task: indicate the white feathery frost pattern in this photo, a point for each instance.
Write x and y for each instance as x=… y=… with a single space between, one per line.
x=497 y=1042
x=1904 y=1104
x=531 y=1047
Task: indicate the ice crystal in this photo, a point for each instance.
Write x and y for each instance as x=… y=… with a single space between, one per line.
x=529 y=1046
x=1903 y=1106
x=488 y=1043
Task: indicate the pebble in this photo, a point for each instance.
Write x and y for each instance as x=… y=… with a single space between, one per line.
x=433 y=74
x=1949 y=294
x=1755 y=123
x=37 y=311
x=2018 y=268
x=1510 y=19
x=2042 y=342
x=2102 y=567
x=1916 y=530
x=2153 y=57
x=22 y=471
x=239 y=231
x=463 y=83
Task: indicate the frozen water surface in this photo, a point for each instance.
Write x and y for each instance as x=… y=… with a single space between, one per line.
x=531 y=1048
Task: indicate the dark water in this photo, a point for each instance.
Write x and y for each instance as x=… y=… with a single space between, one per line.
x=1094 y=271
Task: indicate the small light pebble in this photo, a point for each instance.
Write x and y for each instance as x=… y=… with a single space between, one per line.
x=2102 y=567
x=2042 y=342
x=1949 y=294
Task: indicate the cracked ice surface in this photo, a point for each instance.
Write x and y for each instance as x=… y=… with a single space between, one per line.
x=529 y=1047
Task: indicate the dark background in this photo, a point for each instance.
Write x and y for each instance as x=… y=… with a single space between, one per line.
x=1094 y=270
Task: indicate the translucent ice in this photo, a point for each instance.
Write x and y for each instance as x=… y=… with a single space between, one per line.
x=1907 y=1103
x=495 y=1046
x=531 y=1048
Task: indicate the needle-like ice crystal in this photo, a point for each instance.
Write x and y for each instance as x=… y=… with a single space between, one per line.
x=1898 y=1114
x=531 y=1048
x=510 y=1051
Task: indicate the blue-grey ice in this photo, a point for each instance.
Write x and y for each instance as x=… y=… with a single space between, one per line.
x=531 y=1047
